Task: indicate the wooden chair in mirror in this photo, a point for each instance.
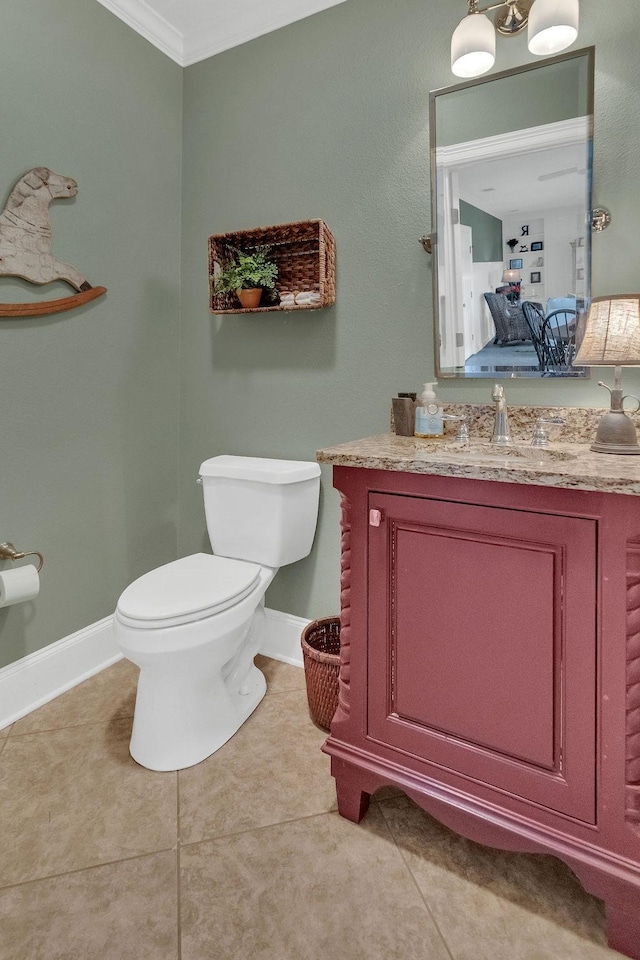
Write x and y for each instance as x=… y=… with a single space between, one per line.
x=553 y=335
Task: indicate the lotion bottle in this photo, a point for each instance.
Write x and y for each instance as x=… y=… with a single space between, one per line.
x=429 y=422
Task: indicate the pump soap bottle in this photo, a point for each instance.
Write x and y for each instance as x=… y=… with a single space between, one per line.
x=429 y=422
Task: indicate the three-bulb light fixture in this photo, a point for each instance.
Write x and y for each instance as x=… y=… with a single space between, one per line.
x=552 y=27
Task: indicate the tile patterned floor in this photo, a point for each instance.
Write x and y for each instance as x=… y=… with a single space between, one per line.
x=244 y=856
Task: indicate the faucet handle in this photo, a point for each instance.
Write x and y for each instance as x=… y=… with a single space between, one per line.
x=539 y=432
x=462 y=433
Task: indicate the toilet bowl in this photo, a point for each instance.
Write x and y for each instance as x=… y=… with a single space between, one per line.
x=194 y=626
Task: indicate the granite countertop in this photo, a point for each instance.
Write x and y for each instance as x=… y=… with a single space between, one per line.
x=567 y=463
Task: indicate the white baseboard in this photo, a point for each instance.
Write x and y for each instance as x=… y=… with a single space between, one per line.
x=282 y=641
x=42 y=676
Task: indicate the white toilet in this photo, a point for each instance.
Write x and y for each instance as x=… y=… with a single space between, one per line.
x=195 y=625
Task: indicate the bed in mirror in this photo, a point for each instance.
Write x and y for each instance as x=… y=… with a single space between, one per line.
x=511 y=173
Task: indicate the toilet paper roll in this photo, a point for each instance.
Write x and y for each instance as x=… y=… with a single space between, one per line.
x=18 y=585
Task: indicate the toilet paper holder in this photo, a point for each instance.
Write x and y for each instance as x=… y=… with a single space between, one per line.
x=9 y=552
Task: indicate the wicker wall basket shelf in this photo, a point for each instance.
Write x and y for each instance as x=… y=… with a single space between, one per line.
x=305 y=253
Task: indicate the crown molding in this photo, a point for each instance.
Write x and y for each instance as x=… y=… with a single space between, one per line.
x=144 y=20
x=563 y=133
x=230 y=29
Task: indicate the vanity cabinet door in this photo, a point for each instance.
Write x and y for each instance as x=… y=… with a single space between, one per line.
x=482 y=646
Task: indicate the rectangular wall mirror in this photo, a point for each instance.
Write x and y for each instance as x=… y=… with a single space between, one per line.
x=511 y=171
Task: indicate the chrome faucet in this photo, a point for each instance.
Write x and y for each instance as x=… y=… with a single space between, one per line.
x=501 y=431
x=539 y=432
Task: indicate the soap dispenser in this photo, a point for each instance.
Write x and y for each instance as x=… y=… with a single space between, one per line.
x=429 y=422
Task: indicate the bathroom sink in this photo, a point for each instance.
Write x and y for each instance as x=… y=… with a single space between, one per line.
x=484 y=450
x=519 y=451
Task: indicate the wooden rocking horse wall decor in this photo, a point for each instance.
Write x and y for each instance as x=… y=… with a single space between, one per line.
x=25 y=243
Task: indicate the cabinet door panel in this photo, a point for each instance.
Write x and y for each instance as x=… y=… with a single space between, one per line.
x=471 y=683
x=482 y=645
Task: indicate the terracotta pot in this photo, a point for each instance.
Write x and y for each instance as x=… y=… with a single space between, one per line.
x=249 y=298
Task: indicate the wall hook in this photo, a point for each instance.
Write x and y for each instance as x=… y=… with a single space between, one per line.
x=9 y=552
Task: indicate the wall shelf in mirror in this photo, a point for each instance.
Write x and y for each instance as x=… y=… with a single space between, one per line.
x=304 y=253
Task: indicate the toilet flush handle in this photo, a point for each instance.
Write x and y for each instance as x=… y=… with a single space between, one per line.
x=199 y=480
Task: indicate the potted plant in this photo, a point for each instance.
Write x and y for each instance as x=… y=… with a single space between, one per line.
x=247 y=275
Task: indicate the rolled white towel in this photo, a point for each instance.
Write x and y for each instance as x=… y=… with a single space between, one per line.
x=287 y=299
x=308 y=298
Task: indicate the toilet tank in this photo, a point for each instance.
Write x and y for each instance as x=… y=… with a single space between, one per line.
x=261 y=510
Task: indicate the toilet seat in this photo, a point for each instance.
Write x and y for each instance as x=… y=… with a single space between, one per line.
x=185 y=590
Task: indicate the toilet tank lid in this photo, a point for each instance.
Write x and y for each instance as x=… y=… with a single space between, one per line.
x=257 y=468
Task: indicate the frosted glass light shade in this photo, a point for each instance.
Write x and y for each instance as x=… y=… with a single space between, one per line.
x=473 y=46
x=553 y=26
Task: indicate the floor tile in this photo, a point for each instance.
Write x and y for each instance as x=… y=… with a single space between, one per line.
x=74 y=798
x=495 y=905
x=5 y=732
x=108 y=696
x=125 y=909
x=281 y=677
x=87 y=852
x=313 y=889
x=272 y=770
x=386 y=793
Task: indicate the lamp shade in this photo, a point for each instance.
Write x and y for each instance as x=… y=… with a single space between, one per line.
x=473 y=46
x=511 y=276
x=553 y=26
x=612 y=335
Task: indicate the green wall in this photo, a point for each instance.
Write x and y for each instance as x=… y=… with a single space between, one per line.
x=89 y=398
x=328 y=117
x=486 y=232
x=324 y=118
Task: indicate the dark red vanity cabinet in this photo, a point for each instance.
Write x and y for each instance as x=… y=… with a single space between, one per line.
x=490 y=668
x=481 y=646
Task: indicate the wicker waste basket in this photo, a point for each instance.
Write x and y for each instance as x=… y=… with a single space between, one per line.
x=321 y=653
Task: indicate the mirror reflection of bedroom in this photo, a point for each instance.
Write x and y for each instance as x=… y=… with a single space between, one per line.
x=512 y=220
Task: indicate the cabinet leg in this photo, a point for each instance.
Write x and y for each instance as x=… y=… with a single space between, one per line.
x=353 y=802
x=623 y=925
